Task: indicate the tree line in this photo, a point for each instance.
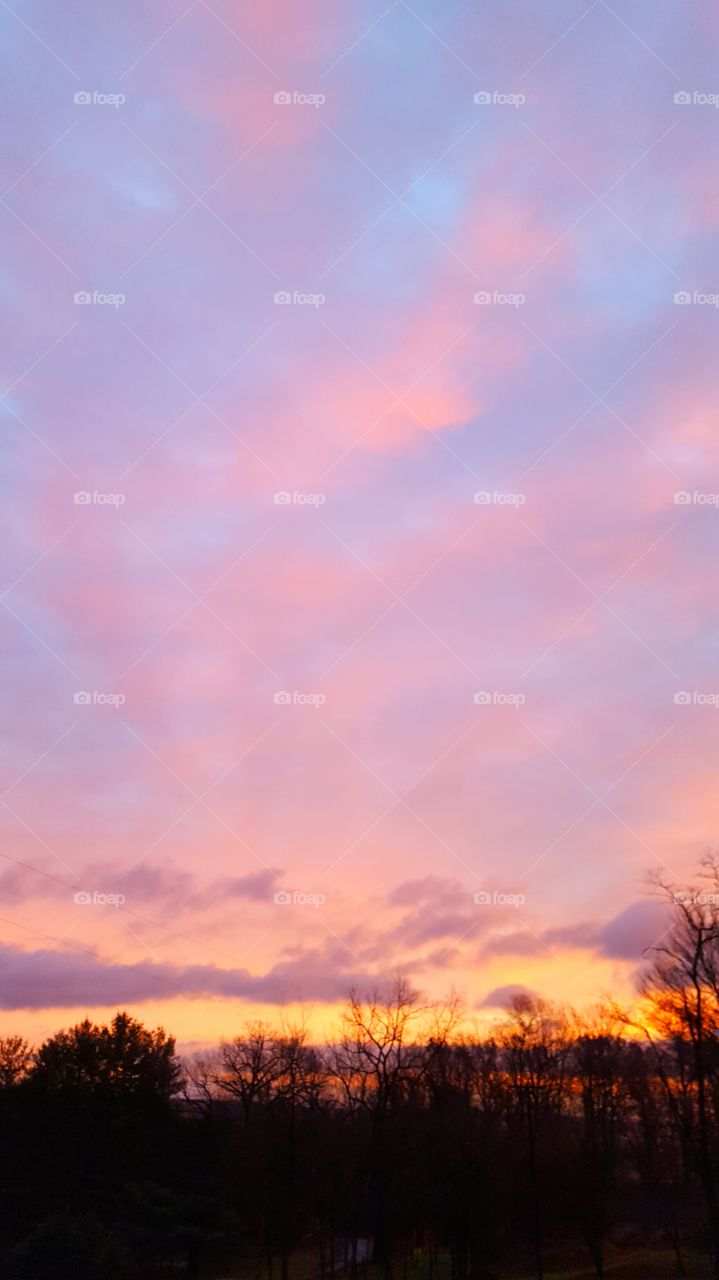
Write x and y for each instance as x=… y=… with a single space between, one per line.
x=405 y=1148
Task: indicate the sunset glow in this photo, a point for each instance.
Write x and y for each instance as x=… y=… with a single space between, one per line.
x=361 y=492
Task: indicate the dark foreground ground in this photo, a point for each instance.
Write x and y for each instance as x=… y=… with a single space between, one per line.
x=627 y=1263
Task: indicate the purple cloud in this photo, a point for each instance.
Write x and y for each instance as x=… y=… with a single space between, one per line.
x=502 y=997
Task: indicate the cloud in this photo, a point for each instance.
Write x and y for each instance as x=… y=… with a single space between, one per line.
x=162 y=886
x=635 y=930
x=259 y=886
x=502 y=997
x=625 y=937
x=45 y=980
x=440 y=908
x=432 y=890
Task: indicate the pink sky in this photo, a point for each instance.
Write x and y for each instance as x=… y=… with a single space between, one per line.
x=578 y=596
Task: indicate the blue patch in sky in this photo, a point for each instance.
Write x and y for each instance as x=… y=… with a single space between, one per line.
x=436 y=200
x=143 y=195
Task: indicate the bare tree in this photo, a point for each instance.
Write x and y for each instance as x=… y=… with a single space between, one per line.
x=379 y=1064
x=251 y=1067
x=535 y=1046
x=681 y=997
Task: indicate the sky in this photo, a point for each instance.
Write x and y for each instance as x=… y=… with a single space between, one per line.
x=360 y=479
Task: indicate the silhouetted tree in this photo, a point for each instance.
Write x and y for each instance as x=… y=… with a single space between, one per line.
x=681 y=993
x=436 y=1154
x=16 y=1056
x=124 y=1058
